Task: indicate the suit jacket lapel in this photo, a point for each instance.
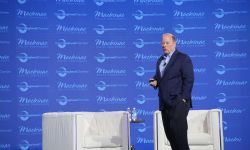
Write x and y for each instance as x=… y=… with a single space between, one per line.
x=171 y=61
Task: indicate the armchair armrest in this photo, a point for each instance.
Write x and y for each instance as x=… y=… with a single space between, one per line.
x=58 y=131
x=216 y=128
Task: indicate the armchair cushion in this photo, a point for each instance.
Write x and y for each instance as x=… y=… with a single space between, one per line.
x=100 y=124
x=197 y=122
x=197 y=139
x=97 y=141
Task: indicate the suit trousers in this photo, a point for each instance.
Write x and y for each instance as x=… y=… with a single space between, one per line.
x=175 y=125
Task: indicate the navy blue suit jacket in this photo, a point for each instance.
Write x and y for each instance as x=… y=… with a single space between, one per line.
x=177 y=81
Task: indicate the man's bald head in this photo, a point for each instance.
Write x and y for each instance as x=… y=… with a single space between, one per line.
x=171 y=35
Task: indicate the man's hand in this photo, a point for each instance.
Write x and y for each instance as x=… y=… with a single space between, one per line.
x=153 y=82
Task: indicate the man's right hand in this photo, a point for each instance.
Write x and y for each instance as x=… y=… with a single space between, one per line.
x=153 y=82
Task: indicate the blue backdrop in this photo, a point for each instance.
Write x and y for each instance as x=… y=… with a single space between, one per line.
x=97 y=55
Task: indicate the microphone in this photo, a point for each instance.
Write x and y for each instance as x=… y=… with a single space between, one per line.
x=164 y=64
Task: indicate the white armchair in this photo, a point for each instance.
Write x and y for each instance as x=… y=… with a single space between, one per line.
x=86 y=131
x=205 y=131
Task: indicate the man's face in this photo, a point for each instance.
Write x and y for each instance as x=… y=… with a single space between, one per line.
x=167 y=44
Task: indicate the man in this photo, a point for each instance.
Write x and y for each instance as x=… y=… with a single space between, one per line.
x=174 y=79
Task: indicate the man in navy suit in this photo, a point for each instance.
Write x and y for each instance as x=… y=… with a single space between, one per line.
x=174 y=79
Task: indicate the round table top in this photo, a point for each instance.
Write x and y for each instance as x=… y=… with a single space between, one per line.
x=138 y=120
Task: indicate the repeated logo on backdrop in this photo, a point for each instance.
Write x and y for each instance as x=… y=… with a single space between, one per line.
x=79 y=55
